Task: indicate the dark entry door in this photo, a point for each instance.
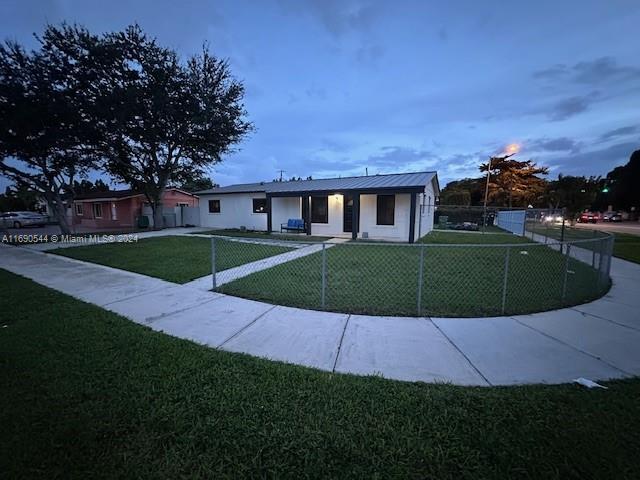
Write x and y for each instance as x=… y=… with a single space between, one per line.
x=348 y=213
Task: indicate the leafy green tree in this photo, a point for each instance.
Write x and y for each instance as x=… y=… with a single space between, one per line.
x=45 y=131
x=18 y=197
x=574 y=194
x=162 y=121
x=514 y=181
x=622 y=185
x=468 y=191
x=198 y=184
x=87 y=186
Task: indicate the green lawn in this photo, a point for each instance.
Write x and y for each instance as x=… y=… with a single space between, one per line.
x=178 y=259
x=447 y=236
x=234 y=232
x=88 y=394
x=380 y=279
x=625 y=246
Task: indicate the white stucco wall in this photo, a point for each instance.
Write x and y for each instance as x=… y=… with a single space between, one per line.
x=335 y=219
x=426 y=210
x=283 y=209
x=236 y=210
x=399 y=231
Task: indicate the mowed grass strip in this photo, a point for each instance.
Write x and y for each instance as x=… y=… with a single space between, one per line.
x=625 y=245
x=89 y=394
x=178 y=259
x=233 y=232
x=380 y=279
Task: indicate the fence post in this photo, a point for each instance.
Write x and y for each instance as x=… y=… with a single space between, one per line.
x=566 y=273
x=213 y=261
x=324 y=277
x=612 y=239
x=601 y=263
x=420 y=279
x=505 y=279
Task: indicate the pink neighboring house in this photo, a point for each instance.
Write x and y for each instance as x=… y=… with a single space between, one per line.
x=121 y=208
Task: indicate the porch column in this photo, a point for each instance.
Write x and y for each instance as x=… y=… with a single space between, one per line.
x=412 y=218
x=306 y=213
x=355 y=216
x=269 y=215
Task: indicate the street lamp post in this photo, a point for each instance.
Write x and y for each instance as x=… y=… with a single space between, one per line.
x=511 y=151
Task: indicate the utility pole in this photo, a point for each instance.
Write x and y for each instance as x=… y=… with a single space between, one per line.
x=281 y=172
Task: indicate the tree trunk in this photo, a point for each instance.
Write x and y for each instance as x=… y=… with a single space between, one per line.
x=155 y=203
x=57 y=206
x=158 y=220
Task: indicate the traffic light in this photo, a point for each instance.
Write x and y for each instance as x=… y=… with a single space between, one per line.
x=605 y=190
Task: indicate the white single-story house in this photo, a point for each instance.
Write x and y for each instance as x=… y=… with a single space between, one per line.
x=396 y=207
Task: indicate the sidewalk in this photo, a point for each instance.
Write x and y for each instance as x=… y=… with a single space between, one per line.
x=598 y=340
x=226 y=276
x=43 y=247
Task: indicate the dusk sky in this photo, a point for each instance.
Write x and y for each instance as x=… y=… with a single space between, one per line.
x=334 y=87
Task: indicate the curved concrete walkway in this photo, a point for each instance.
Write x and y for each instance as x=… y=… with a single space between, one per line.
x=599 y=340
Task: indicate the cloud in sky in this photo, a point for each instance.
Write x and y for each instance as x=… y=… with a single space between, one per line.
x=592 y=72
x=338 y=86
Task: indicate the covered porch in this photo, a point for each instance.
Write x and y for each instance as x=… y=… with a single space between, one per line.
x=386 y=214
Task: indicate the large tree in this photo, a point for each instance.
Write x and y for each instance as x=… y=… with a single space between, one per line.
x=574 y=194
x=623 y=186
x=45 y=132
x=162 y=120
x=468 y=191
x=512 y=181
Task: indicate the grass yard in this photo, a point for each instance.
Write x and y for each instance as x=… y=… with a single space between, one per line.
x=447 y=236
x=380 y=279
x=234 y=232
x=178 y=259
x=88 y=394
x=625 y=245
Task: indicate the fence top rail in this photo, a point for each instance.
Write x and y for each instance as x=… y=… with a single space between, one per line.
x=375 y=243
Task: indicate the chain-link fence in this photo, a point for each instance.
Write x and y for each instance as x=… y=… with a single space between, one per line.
x=435 y=279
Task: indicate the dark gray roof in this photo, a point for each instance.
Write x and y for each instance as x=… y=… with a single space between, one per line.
x=238 y=188
x=371 y=182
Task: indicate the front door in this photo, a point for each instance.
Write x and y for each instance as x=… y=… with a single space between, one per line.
x=348 y=213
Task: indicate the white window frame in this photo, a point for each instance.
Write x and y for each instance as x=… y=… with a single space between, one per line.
x=79 y=211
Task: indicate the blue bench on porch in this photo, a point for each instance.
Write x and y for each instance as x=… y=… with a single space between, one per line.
x=293 y=225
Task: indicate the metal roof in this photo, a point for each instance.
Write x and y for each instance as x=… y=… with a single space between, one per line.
x=416 y=181
x=239 y=188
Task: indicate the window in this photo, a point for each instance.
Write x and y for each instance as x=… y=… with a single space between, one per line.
x=79 y=209
x=259 y=205
x=97 y=210
x=320 y=209
x=214 y=206
x=182 y=204
x=114 y=212
x=386 y=209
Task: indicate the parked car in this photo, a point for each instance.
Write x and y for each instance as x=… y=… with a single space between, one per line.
x=612 y=217
x=589 y=217
x=553 y=219
x=22 y=219
x=469 y=226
